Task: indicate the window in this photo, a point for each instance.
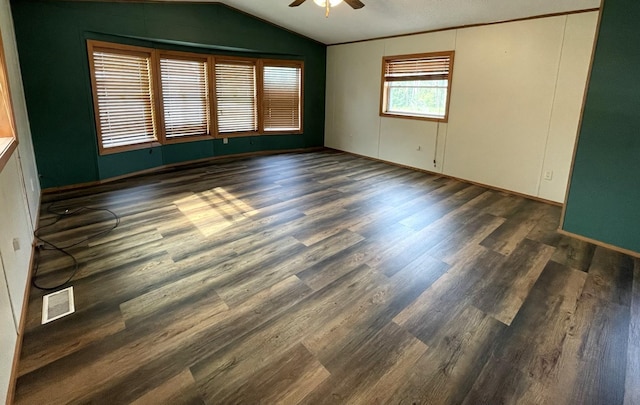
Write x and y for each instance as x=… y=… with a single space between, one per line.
x=123 y=98
x=417 y=86
x=185 y=97
x=8 y=140
x=281 y=97
x=236 y=96
x=146 y=97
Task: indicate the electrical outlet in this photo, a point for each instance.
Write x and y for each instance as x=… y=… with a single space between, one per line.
x=419 y=148
x=225 y=140
x=16 y=244
x=548 y=175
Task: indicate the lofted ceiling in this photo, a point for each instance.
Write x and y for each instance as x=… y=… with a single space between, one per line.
x=380 y=18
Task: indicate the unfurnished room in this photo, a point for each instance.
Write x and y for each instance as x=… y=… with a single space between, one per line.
x=414 y=202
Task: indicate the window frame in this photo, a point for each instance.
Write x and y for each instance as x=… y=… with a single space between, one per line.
x=187 y=56
x=157 y=97
x=258 y=89
x=125 y=50
x=281 y=63
x=384 y=87
x=9 y=142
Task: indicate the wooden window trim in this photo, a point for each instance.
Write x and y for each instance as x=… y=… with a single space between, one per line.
x=126 y=148
x=260 y=93
x=186 y=139
x=157 y=98
x=92 y=46
x=188 y=56
x=8 y=142
x=7 y=147
x=282 y=63
x=383 y=95
x=213 y=103
x=240 y=61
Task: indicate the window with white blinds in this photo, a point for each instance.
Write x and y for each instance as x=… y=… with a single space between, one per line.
x=123 y=97
x=145 y=97
x=185 y=97
x=236 y=96
x=417 y=86
x=281 y=100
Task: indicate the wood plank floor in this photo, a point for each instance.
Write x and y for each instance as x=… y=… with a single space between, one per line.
x=326 y=278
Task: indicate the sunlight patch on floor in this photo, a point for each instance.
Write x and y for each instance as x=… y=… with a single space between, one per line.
x=214 y=210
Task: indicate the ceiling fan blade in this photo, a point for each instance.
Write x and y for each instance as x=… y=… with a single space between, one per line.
x=355 y=4
x=296 y=3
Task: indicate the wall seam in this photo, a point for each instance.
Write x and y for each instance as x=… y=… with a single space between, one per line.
x=553 y=102
x=384 y=53
x=25 y=200
x=444 y=146
x=6 y=281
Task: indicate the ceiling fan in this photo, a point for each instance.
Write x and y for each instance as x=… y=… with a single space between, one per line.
x=355 y=4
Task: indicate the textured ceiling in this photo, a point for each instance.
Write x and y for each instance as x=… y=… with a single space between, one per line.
x=381 y=18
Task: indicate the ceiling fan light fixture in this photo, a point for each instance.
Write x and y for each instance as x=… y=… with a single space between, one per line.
x=323 y=3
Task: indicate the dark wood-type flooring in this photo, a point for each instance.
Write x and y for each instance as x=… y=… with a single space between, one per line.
x=324 y=278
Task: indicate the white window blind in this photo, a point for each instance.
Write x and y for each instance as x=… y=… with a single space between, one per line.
x=417 y=85
x=281 y=98
x=185 y=97
x=425 y=68
x=236 y=96
x=123 y=92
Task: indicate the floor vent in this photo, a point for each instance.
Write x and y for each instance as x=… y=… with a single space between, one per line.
x=57 y=304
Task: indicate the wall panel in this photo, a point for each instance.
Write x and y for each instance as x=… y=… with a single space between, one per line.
x=569 y=94
x=19 y=207
x=605 y=186
x=52 y=43
x=516 y=91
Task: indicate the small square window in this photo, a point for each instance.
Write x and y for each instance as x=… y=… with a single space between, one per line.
x=417 y=86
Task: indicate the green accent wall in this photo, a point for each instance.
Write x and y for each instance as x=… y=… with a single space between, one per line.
x=52 y=36
x=604 y=192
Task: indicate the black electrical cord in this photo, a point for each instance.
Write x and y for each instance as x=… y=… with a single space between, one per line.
x=47 y=245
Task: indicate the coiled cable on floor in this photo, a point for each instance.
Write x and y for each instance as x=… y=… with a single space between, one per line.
x=48 y=245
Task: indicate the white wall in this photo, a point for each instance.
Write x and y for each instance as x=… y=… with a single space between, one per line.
x=565 y=115
x=515 y=103
x=8 y=337
x=19 y=202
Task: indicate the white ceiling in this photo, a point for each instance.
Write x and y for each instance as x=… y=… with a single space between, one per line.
x=381 y=18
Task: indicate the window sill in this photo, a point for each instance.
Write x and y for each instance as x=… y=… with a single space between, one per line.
x=184 y=139
x=265 y=133
x=7 y=146
x=414 y=117
x=119 y=149
x=282 y=132
x=223 y=135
